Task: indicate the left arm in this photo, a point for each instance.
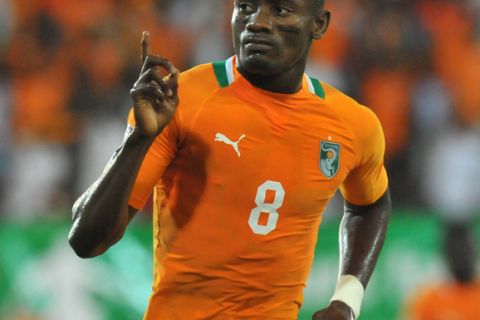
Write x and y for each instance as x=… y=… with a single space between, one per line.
x=362 y=233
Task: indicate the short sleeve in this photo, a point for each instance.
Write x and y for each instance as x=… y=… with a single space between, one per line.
x=155 y=162
x=368 y=180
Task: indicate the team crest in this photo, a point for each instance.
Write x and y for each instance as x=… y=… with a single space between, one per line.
x=329 y=158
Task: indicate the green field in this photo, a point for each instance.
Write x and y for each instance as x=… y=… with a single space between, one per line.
x=40 y=275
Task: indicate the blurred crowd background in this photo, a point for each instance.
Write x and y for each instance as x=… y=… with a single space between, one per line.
x=66 y=68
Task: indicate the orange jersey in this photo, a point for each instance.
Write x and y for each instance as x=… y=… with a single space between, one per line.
x=446 y=302
x=241 y=177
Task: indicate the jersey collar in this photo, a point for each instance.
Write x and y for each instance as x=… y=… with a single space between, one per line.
x=227 y=73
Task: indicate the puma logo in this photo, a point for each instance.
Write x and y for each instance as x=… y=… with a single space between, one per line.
x=222 y=138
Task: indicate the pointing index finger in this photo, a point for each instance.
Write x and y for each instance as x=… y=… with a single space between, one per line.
x=145 y=45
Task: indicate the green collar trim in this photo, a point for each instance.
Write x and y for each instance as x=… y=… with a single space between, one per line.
x=224 y=72
x=315 y=87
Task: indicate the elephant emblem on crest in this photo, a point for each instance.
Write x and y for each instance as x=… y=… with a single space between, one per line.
x=329 y=158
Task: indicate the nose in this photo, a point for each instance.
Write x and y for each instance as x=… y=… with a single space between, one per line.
x=260 y=21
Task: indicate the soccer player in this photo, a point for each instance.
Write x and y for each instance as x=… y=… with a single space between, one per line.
x=242 y=156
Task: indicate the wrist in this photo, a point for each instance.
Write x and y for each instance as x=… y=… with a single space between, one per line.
x=350 y=291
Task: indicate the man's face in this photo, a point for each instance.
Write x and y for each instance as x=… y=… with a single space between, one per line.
x=270 y=36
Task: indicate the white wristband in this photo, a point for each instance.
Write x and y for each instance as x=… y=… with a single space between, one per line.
x=350 y=291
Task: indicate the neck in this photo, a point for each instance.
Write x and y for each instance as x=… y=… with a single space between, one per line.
x=286 y=81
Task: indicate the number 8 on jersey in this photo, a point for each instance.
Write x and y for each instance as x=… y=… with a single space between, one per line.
x=269 y=208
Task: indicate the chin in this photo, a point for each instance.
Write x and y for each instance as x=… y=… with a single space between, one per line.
x=257 y=64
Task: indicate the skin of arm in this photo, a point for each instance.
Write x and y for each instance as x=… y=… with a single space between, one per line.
x=362 y=234
x=102 y=213
x=361 y=237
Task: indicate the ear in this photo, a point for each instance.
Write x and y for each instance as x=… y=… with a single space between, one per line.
x=322 y=20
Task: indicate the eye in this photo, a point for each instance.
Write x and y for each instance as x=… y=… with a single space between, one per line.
x=246 y=7
x=282 y=11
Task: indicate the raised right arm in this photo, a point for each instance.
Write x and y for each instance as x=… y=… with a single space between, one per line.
x=102 y=213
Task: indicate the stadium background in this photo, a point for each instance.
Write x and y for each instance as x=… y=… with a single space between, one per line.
x=65 y=71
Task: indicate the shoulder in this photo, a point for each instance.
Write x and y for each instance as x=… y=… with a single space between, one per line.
x=361 y=119
x=199 y=83
x=350 y=109
x=202 y=75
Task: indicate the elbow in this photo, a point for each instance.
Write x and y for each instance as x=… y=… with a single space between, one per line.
x=81 y=249
x=90 y=236
x=83 y=244
x=90 y=244
x=81 y=253
x=78 y=237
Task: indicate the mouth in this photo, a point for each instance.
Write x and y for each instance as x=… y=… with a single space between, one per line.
x=257 y=43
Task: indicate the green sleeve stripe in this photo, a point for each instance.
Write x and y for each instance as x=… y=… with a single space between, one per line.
x=317 y=86
x=221 y=73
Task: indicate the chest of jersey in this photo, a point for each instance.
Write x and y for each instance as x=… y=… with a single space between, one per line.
x=288 y=157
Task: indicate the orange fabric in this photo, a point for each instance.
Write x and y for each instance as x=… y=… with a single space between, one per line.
x=446 y=302
x=212 y=204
